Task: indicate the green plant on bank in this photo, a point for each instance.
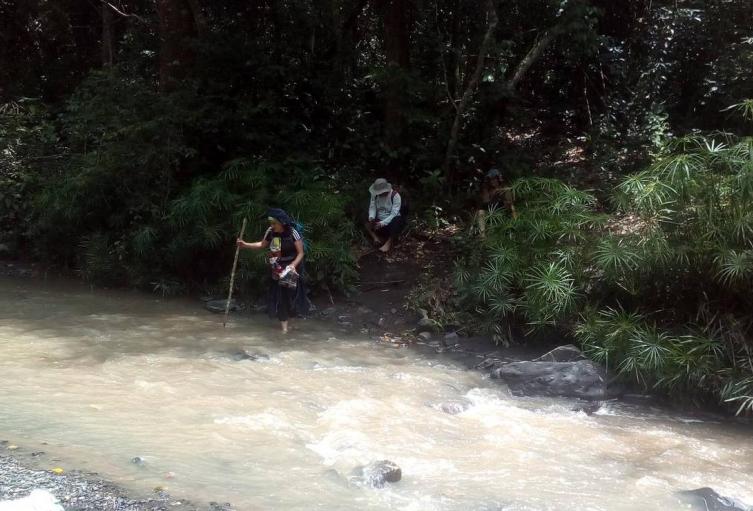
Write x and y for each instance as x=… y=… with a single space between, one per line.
x=128 y=206
x=25 y=138
x=658 y=291
x=527 y=267
x=246 y=188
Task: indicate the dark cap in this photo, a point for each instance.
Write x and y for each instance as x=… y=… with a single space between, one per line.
x=280 y=215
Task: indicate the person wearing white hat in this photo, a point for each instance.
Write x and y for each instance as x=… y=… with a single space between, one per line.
x=385 y=219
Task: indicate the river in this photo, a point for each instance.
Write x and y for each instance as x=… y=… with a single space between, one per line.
x=97 y=378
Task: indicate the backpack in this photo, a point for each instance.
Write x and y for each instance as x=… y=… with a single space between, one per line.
x=404 y=201
x=298 y=226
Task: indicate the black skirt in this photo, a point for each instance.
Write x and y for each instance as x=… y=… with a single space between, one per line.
x=283 y=302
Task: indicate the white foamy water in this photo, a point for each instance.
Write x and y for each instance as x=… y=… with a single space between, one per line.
x=100 y=378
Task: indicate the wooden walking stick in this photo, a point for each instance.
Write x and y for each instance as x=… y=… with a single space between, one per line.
x=232 y=275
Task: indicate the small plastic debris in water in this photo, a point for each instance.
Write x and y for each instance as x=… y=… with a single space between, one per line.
x=58 y=471
x=169 y=475
x=12 y=447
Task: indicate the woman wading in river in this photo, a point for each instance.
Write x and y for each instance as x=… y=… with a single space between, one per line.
x=287 y=292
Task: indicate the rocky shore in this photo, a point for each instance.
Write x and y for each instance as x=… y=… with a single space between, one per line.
x=81 y=491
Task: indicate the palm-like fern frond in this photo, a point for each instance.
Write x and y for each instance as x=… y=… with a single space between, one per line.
x=734 y=266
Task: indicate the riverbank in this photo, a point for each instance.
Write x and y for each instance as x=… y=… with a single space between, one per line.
x=21 y=473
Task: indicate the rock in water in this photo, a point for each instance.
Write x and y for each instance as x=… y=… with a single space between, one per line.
x=38 y=500
x=249 y=355
x=566 y=353
x=219 y=306
x=425 y=336
x=587 y=408
x=376 y=474
x=454 y=407
x=706 y=499
x=581 y=379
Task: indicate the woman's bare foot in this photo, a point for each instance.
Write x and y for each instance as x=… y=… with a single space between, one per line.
x=386 y=247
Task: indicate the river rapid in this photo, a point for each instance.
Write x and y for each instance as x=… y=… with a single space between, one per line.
x=98 y=378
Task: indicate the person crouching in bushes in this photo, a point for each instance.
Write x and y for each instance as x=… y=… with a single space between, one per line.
x=386 y=221
x=492 y=196
x=287 y=292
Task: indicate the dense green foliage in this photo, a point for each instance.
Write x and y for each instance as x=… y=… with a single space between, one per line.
x=658 y=290
x=136 y=134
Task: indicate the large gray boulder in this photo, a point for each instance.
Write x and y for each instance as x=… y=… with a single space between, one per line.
x=706 y=499
x=582 y=378
x=566 y=353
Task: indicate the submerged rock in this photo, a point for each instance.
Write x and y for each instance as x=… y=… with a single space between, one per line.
x=138 y=460
x=454 y=407
x=587 y=408
x=451 y=338
x=216 y=506
x=249 y=355
x=376 y=474
x=489 y=363
x=427 y=325
x=425 y=336
x=706 y=499
x=582 y=379
x=219 y=306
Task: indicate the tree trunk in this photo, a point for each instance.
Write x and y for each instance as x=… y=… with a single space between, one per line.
x=348 y=38
x=532 y=56
x=107 y=45
x=397 y=52
x=534 y=53
x=178 y=28
x=449 y=159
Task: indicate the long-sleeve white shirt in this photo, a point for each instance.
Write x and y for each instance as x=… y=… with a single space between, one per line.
x=384 y=208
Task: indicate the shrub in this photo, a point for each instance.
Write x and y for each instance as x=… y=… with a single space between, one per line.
x=658 y=290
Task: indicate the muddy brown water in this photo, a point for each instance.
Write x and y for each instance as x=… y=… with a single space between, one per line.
x=102 y=377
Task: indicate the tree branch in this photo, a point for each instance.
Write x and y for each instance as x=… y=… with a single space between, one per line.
x=533 y=55
x=354 y=14
x=198 y=17
x=450 y=97
x=125 y=15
